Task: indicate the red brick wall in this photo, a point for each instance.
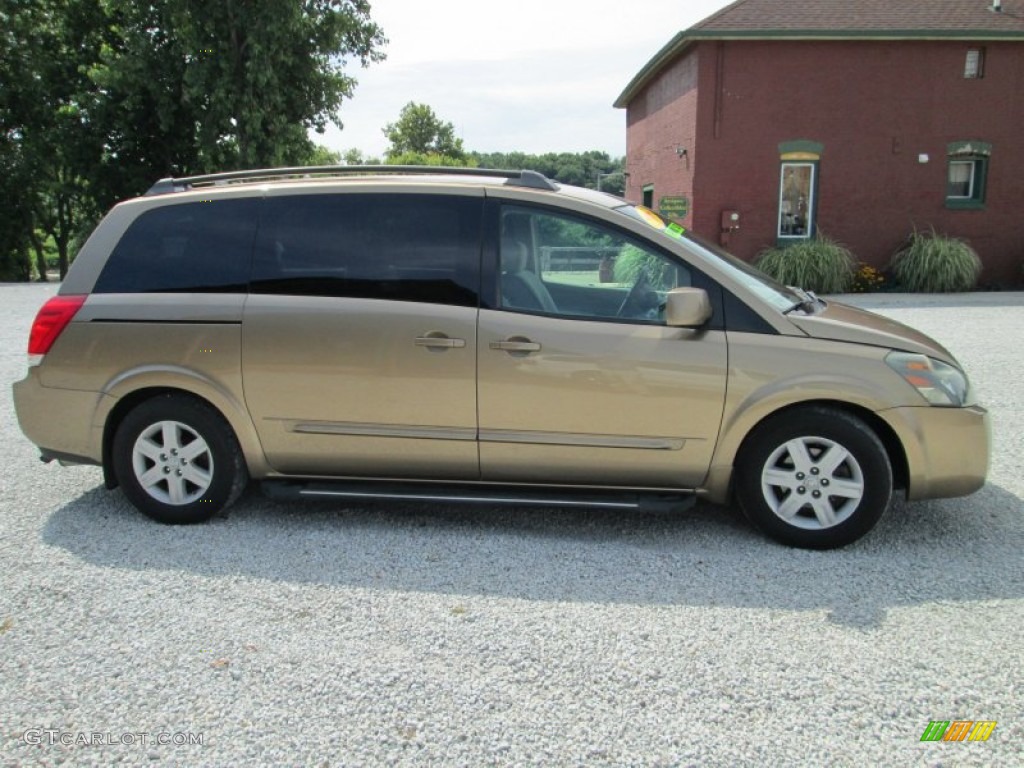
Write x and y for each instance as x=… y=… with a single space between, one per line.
x=662 y=118
x=875 y=106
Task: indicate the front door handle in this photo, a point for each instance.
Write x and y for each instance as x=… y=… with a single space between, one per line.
x=437 y=340
x=516 y=345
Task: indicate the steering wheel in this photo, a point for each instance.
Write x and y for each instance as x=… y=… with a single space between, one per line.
x=633 y=295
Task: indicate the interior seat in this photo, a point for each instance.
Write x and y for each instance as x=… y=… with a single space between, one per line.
x=521 y=288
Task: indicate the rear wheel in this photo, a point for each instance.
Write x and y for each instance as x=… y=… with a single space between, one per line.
x=814 y=477
x=177 y=460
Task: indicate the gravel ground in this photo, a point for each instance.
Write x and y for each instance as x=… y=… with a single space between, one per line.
x=328 y=635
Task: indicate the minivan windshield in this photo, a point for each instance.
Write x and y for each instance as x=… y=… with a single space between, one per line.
x=779 y=296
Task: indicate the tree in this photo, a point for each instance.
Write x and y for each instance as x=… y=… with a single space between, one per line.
x=419 y=130
x=355 y=156
x=49 y=132
x=321 y=155
x=430 y=158
x=98 y=98
x=15 y=216
x=231 y=84
x=580 y=169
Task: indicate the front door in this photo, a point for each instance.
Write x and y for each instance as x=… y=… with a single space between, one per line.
x=359 y=335
x=581 y=381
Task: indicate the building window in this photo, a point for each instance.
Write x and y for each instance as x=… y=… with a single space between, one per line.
x=974 y=65
x=796 y=200
x=962 y=176
x=966 y=174
x=648 y=196
x=798 y=189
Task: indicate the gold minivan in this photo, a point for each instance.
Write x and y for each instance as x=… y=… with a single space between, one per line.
x=470 y=335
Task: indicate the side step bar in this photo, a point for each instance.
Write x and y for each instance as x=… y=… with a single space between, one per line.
x=477 y=494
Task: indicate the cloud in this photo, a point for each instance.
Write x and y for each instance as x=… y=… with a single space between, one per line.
x=520 y=103
x=534 y=76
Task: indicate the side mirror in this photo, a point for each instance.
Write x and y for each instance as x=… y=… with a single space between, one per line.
x=687 y=307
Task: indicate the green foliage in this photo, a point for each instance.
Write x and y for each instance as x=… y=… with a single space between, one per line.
x=632 y=264
x=559 y=232
x=933 y=263
x=50 y=142
x=579 y=169
x=867 y=279
x=421 y=132
x=98 y=98
x=321 y=155
x=230 y=84
x=819 y=264
x=431 y=158
x=15 y=218
x=355 y=156
x=15 y=266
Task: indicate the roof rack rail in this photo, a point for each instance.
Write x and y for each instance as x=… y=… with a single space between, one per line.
x=167 y=185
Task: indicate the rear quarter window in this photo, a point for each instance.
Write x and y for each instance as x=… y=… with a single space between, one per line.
x=189 y=247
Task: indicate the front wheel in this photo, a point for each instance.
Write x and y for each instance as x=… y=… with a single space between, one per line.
x=177 y=460
x=814 y=477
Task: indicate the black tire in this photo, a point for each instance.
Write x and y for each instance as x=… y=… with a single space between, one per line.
x=177 y=460
x=788 y=459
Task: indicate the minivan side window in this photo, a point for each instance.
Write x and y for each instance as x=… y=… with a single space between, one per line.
x=397 y=247
x=558 y=264
x=189 y=247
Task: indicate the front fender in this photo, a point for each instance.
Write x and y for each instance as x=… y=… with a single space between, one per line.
x=768 y=374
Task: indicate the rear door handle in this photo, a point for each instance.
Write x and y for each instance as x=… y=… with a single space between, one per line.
x=516 y=345
x=437 y=340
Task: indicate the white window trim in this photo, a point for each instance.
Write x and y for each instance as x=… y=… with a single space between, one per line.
x=810 y=199
x=971 y=181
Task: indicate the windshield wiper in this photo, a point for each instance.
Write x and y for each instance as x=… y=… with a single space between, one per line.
x=808 y=301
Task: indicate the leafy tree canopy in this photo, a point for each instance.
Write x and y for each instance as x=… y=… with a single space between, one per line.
x=100 y=97
x=582 y=169
x=419 y=130
x=430 y=158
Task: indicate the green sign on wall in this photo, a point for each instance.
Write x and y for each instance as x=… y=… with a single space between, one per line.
x=674 y=207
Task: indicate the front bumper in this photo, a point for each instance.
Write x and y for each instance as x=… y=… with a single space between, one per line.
x=947 y=449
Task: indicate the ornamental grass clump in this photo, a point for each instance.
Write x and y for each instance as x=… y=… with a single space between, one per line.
x=821 y=265
x=934 y=263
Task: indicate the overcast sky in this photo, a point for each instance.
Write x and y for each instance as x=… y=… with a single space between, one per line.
x=530 y=75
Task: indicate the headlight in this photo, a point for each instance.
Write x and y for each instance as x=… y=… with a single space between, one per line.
x=938 y=383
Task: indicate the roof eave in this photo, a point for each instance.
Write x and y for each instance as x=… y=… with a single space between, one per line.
x=652 y=68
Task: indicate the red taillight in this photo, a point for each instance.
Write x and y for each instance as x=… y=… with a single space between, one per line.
x=50 y=322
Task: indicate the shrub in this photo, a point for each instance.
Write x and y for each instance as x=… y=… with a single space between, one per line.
x=15 y=266
x=820 y=264
x=934 y=263
x=867 y=279
x=632 y=262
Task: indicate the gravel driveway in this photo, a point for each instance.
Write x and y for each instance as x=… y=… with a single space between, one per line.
x=330 y=635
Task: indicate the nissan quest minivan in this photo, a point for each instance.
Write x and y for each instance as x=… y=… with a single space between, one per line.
x=470 y=335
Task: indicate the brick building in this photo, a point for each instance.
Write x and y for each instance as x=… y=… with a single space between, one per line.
x=773 y=120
